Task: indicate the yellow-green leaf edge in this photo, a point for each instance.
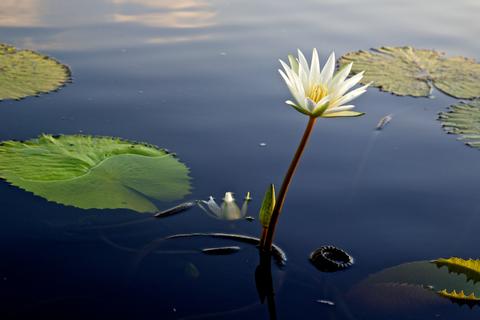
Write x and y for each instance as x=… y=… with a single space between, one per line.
x=463 y=119
x=407 y=71
x=27 y=73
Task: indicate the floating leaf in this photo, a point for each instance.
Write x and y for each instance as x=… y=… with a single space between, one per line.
x=27 y=73
x=94 y=172
x=409 y=71
x=395 y=286
x=460 y=297
x=463 y=119
x=267 y=206
x=470 y=268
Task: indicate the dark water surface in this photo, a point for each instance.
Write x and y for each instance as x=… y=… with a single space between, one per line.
x=199 y=77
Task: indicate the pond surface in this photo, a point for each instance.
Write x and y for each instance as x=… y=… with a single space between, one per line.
x=199 y=77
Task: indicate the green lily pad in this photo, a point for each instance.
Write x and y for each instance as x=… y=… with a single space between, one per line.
x=413 y=72
x=463 y=119
x=26 y=73
x=94 y=172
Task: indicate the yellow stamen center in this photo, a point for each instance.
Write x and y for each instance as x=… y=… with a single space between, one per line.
x=317 y=92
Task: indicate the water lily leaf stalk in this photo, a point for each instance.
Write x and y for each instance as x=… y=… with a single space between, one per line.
x=267 y=237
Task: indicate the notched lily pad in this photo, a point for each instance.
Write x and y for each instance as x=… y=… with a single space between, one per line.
x=407 y=71
x=463 y=119
x=26 y=73
x=421 y=283
x=94 y=172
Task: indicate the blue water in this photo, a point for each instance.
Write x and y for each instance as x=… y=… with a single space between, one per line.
x=199 y=77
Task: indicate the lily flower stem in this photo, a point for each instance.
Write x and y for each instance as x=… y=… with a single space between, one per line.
x=267 y=237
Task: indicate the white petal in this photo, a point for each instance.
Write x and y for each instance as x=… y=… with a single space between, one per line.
x=303 y=75
x=296 y=83
x=340 y=77
x=321 y=103
x=287 y=69
x=310 y=104
x=328 y=69
x=290 y=102
x=350 y=96
x=349 y=83
x=338 y=109
x=314 y=76
x=284 y=76
x=303 y=61
x=293 y=63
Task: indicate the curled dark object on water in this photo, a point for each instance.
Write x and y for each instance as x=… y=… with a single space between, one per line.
x=330 y=259
x=277 y=253
x=221 y=250
x=177 y=209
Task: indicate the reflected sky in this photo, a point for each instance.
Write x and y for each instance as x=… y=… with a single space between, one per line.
x=67 y=25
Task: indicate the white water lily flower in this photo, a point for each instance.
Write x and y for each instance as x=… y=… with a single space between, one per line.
x=228 y=210
x=320 y=92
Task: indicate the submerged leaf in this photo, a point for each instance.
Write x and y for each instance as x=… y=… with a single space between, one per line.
x=409 y=71
x=94 y=172
x=463 y=119
x=27 y=73
x=267 y=206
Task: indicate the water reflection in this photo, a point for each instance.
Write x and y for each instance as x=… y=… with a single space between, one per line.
x=170 y=14
x=20 y=13
x=160 y=22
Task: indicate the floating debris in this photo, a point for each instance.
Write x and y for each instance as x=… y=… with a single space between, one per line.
x=221 y=250
x=177 y=209
x=262 y=144
x=383 y=122
x=249 y=218
x=327 y=302
x=330 y=259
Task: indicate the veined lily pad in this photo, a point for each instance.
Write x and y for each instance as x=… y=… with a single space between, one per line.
x=94 y=172
x=26 y=73
x=422 y=283
x=409 y=71
x=463 y=119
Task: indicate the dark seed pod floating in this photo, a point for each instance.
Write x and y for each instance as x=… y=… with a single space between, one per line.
x=330 y=259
